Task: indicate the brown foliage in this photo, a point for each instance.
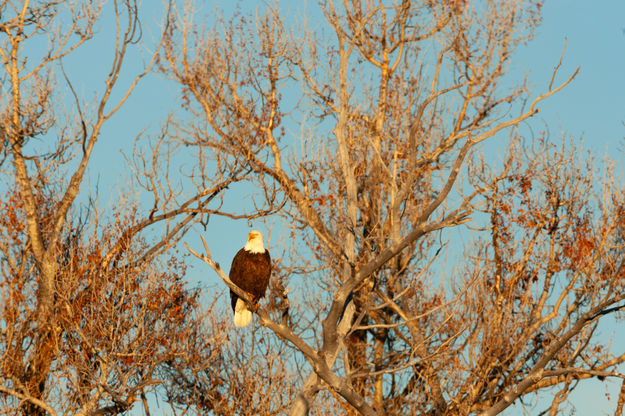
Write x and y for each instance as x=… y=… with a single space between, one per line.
x=110 y=328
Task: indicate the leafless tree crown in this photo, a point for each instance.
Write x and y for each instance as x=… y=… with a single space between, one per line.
x=361 y=143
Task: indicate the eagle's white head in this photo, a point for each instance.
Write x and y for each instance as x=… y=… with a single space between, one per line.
x=255 y=242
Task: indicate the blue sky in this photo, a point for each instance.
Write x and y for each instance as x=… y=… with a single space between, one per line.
x=592 y=108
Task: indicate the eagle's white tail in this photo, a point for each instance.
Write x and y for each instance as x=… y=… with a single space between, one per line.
x=242 y=315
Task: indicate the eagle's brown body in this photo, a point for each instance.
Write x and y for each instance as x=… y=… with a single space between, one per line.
x=250 y=270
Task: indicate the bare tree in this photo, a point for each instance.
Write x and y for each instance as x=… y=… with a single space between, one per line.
x=382 y=170
x=92 y=309
x=392 y=104
x=244 y=373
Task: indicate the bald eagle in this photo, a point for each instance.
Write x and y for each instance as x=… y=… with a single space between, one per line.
x=250 y=270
